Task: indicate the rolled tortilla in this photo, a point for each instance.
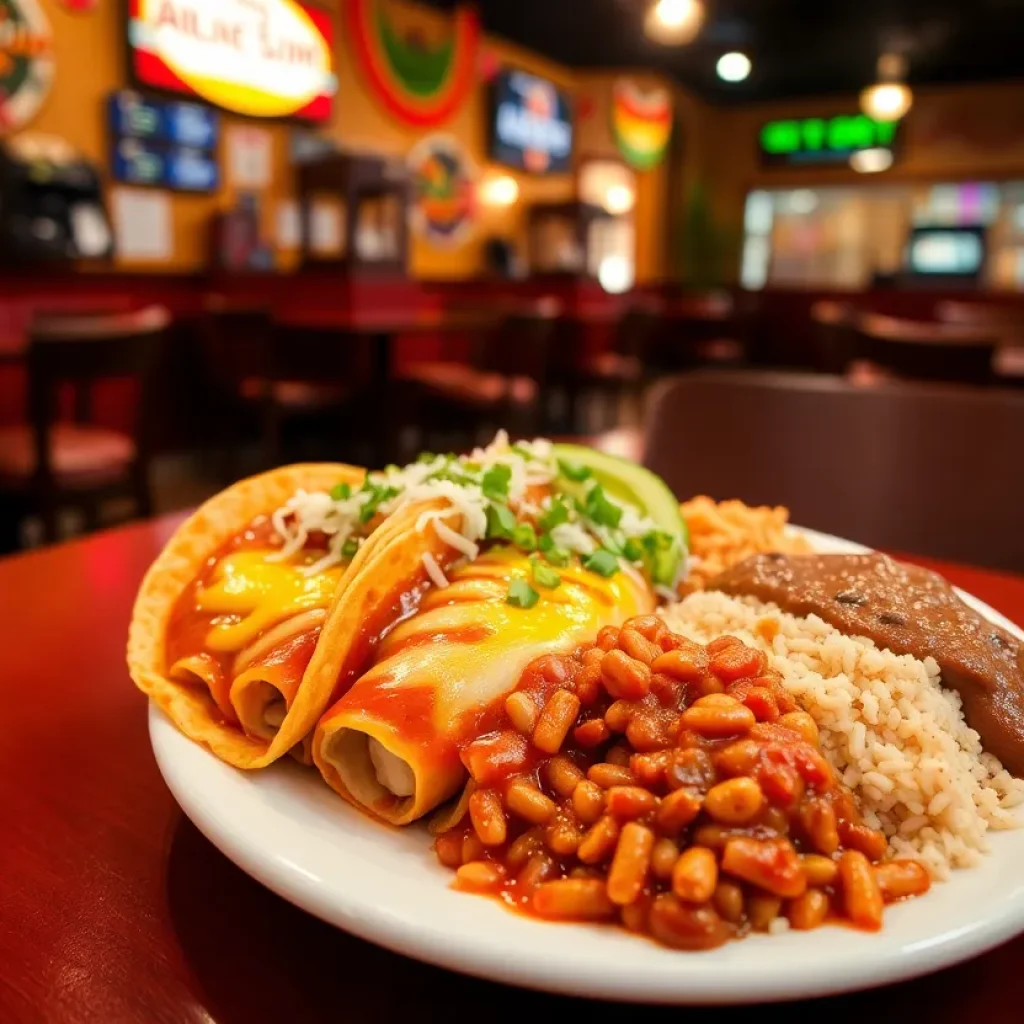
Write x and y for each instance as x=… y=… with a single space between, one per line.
x=234 y=682
x=391 y=744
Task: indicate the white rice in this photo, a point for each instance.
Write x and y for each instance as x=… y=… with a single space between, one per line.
x=893 y=734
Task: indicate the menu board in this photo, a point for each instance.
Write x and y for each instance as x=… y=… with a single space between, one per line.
x=532 y=126
x=162 y=143
x=802 y=141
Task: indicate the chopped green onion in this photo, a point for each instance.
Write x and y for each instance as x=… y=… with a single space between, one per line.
x=613 y=541
x=544 y=575
x=425 y=457
x=521 y=594
x=495 y=482
x=523 y=452
x=524 y=536
x=558 y=556
x=633 y=549
x=554 y=516
x=600 y=510
x=349 y=548
x=501 y=521
x=574 y=471
x=603 y=562
x=342 y=492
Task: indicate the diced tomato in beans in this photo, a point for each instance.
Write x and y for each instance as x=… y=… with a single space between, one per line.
x=674 y=788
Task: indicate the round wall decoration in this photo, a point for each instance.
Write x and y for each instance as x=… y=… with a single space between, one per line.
x=26 y=62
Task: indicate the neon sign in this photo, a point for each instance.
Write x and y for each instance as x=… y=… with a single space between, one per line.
x=823 y=140
x=262 y=58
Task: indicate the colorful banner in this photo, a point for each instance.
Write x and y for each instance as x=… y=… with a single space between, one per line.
x=261 y=58
x=26 y=62
x=641 y=123
x=420 y=83
x=444 y=190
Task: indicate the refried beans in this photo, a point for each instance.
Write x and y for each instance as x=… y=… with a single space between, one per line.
x=908 y=610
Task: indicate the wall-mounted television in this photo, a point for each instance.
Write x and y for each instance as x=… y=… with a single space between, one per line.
x=531 y=123
x=946 y=252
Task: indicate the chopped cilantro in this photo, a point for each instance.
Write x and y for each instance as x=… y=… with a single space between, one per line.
x=342 y=492
x=495 y=482
x=524 y=536
x=349 y=548
x=521 y=594
x=633 y=549
x=501 y=521
x=554 y=516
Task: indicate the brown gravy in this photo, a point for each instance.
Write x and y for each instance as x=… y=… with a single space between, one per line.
x=910 y=611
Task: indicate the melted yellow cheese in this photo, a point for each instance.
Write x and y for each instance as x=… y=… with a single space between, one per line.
x=498 y=640
x=253 y=594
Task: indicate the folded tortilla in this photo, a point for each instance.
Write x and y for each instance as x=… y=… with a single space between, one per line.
x=225 y=641
x=391 y=744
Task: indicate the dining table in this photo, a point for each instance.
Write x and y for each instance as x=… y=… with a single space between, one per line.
x=115 y=908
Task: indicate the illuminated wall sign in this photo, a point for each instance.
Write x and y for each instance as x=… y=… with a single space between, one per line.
x=532 y=127
x=823 y=140
x=262 y=58
x=163 y=143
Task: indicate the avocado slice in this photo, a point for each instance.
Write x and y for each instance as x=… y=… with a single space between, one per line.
x=636 y=486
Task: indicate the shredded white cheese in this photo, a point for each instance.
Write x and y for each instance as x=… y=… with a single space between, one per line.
x=434 y=571
x=345 y=516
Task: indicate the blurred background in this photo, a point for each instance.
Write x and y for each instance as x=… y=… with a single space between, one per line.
x=775 y=249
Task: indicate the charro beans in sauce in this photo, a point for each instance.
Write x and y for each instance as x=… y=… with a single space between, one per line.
x=672 y=788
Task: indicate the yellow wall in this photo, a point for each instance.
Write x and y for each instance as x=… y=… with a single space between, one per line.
x=91 y=63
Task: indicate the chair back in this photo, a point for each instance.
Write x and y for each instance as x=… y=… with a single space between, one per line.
x=78 y=350
x=637 y=330
x=927 y=350
x=237 y=342
x=520 y=346
x=835 y=342
x=902 y=466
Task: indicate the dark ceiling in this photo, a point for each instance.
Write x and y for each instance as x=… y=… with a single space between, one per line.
x=798 y=47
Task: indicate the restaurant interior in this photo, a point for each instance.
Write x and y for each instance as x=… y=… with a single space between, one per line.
x=688 y=231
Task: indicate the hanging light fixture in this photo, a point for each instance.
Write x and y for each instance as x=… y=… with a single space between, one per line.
x=673 y=22
x=890 y=97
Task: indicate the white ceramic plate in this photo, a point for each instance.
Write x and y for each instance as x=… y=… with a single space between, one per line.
x=289 y=831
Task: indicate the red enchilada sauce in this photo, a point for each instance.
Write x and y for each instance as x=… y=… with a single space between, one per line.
x=908 y=610
x=673 y=788
x=190 y=625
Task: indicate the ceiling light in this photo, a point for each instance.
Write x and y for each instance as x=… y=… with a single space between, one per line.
x=887 y=101
x=871 y=161
x=502 y=190
x=890 y=98
x=673 y=22
x=733 y=67
x=619 y=199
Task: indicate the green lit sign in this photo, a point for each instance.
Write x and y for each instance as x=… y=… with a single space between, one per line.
x=823 y=140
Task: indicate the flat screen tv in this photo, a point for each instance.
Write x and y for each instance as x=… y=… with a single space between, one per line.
x=531 y=123
x=946 y=252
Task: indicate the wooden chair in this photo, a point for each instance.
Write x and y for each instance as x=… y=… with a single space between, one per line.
x=615 y=375
x=47 y=463
x=834 y=334
x=920 y=350
x=923 y=468
x=504 y=385
x=266 y=381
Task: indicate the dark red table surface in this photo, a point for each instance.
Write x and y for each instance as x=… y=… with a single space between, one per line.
x=114 y=908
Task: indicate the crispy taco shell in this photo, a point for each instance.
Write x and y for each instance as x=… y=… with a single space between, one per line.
x=209 y=713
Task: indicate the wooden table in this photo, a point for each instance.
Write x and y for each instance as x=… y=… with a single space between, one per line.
x=113 y=908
